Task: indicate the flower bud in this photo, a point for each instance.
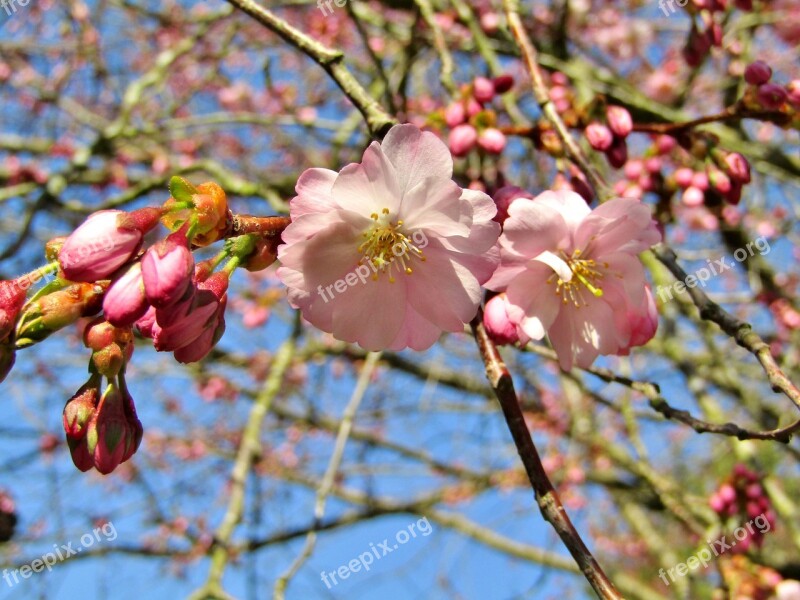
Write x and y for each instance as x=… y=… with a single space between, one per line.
x=462 y=139
x=264 y=254
x=8 y=517
x=483 y=90
x=12 y=299
x=79 y=409
x=619 y=121
x=125 y=301
x=492 y=140
x=455 y=114
x=167 y=269
x=58 y=309
x=503 y=83
x=599 y=136
x=101 y=245
x=497 y=322
x=503 y=199
x=771 y=96
x=693 y=196
x=617 y=155
x=793 y=92
x=737 y=167
x=757 y=73
x=111 y=435
x=643 y=321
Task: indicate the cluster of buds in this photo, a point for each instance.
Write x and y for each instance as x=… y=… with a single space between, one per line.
x=610 y=138
x=471 y=123
x=743 y=498
x=747 y=579
x=766 y=94
x=708 y=32
x=8 y=516
x=102 y=431
x=158 y=290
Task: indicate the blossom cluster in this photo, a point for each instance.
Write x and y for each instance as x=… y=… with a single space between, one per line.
x=158 y=292
x=422 y=246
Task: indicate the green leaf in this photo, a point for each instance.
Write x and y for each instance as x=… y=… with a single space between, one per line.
x=181 y=190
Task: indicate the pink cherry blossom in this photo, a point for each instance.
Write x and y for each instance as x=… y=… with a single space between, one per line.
x=389 y=252
x=573 y=274
x=498 y=325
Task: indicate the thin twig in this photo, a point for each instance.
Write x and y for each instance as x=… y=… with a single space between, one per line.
x=249 y=449
x=739 y=330
x=378 y=120
x=328 y=480
x=546 y=496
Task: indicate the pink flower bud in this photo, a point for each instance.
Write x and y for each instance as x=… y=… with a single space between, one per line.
x=697 y=47
x=720 y=181
x=497 y=322
x=473 y=107
x=665 y=144
x=492 y=140
x=503 y=199
x=455 y=114
x=483 y=90
x=683 y=177
x=599 y=136
x=633 y=169
x=110 y=438
x=653 y=165
x=12 y=299
x=734 y=196
x=757 y=73
x=693 y=196
x=462 y=139
x=503 y=83
x=167 y=270
x=101 y=245
x=793 y=92
x=202 y=315
x=147 y=323
x=81 y=408
x=771 y=96
x=727 y=493
x=737 y=167
x=643 y=321
x=125 y=302
x=617 y=155
x=716 y=503
x=700 y=181
x=619 y=121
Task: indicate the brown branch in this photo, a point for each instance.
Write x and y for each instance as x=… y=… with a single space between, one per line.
x=377 y=119
x=546 y=496
x=652 y=392
x=732 y=113
x=740 y=331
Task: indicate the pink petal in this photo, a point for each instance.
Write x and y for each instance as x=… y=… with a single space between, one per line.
x=368 y=187
x=416 y=156
x=532 y=228
x=619 y=225
x=570 y=205
x=457 y=292
x=314 y=193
